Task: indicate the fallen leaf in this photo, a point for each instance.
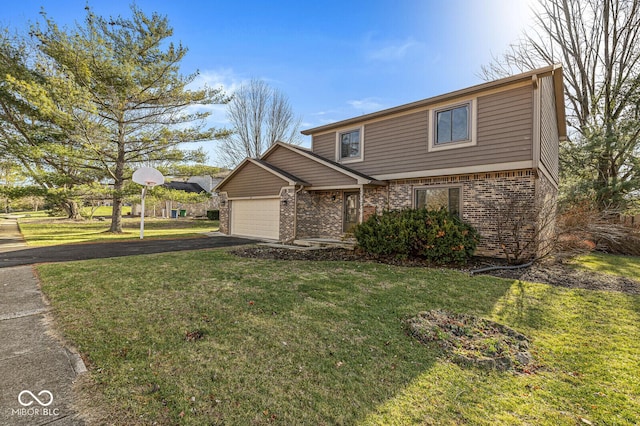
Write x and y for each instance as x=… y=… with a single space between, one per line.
x=585 y=421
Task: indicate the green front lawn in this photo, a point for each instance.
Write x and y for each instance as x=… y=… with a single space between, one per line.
x=103 y=211
x=623 y=266
x=53 y=231
x=209 y=338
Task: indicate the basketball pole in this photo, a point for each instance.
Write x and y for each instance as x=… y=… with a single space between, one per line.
x=148 y=177
x=144 y=192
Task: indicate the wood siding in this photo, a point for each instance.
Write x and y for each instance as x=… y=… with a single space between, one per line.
x=304 y=168
x=399 y=144
x=253 y=181
x=549 y=140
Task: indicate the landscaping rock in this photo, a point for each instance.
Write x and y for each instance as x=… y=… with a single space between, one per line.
x=523 y=358
x=473 y=341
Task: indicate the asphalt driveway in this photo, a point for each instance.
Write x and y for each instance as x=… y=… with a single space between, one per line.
x=13 y=252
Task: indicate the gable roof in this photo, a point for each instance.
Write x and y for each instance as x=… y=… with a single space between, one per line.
x=293 y=179
x=360 y=178
x=554 y=70
x=285 y=176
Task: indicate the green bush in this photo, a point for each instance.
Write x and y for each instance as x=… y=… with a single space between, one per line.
x=213 y=214
x=434 y=235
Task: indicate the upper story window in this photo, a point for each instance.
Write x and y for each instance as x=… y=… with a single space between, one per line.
x=350 y=145
x=437 y=198
x=452 y=126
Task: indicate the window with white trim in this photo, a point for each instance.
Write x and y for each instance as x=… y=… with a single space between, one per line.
x=438 y=197
x=350 y=144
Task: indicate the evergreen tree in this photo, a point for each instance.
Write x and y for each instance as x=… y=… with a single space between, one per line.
x=109 y=96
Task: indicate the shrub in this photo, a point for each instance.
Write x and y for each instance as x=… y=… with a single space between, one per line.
x=213 y=214
x=434 y=235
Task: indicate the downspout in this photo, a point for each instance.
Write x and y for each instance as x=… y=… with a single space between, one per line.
x=361 y=212
x=388 y=195
x=536 y=124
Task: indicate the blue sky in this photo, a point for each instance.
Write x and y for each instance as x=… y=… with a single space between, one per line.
x=334 y=59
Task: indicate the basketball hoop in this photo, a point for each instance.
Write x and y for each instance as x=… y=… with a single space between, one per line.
x=148 y=177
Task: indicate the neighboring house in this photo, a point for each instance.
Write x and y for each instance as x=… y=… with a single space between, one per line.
x=462 y=150
x=206 y=182
x=189 y=209
x=189 y=187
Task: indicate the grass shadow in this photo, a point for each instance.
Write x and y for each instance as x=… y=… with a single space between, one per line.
x=294 y=342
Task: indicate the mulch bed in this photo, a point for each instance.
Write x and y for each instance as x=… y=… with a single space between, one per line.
x=554 y=273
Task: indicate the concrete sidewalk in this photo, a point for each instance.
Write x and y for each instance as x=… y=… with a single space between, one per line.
x=36 y=370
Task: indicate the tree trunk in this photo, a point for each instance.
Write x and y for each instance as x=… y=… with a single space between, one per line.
x=72 y=209
x=118 y=186
x=116 y=212
x=116 y=215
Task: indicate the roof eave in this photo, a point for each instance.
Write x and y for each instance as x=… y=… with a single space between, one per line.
x=425 y=102
x=360 y=178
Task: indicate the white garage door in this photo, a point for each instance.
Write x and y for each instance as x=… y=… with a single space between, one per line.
x=256 y=218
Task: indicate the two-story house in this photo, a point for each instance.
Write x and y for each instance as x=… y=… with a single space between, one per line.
x=458 y=150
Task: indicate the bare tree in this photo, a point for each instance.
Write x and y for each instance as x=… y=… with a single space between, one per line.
x=598 y=41
x=260 y=116
x=524 y=229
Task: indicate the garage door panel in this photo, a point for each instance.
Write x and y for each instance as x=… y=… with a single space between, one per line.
x=256 y=218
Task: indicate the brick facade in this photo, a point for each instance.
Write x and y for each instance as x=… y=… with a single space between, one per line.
x=225 y=217
x=546 y=199
x=375 y=200
x=319 y=214
x=506 y=208
x=287 y=215
x=510 y=210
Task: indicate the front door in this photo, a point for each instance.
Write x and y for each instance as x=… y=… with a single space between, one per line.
x=351 y=210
